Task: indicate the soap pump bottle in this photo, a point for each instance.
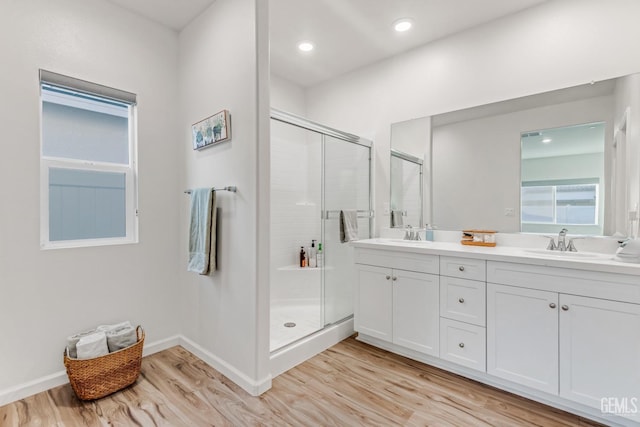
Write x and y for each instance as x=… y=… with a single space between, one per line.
x=319 y=256
x=312 y=254
x=428 y=233
x=303 y=257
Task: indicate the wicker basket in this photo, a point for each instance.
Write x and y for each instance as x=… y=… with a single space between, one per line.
x=98 y=377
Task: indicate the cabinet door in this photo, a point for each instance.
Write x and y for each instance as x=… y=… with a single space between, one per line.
x=522 y=336
x=373 y=309
x=599 y=350
x=416 y=311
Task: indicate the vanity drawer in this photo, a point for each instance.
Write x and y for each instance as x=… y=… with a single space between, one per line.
x=465 y=268
x=463 y=344
x=463 y=300
x=421 y=263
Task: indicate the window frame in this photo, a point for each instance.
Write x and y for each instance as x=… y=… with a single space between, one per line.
x=130 y=171
x=554 y=185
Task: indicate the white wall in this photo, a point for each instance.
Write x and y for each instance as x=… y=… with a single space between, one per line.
x=223 y=313
x=287 y=96
x=557 y=44
x=47 y=295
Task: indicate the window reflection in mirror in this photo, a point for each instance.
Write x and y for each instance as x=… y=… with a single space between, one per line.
x=562 y=178
x=406 y=190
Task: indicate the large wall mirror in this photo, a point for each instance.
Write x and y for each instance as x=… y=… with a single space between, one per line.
x=410 y=141
x=567 y=158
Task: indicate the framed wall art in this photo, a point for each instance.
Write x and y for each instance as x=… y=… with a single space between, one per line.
x=212 y=130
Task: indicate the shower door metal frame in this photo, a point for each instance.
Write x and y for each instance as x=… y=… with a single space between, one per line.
x=301 y=122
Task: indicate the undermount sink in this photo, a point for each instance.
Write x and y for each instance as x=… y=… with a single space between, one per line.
x=405 y=242
x=565 y=254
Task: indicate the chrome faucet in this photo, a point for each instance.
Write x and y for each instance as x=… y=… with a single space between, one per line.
x=562 y=245
x=412 y=234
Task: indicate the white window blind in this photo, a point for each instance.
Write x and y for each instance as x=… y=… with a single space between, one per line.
x=88 y=168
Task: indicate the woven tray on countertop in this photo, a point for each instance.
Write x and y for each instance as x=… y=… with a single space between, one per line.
x=98 y=377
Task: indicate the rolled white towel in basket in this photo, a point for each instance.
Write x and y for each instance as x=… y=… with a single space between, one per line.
x=120 y=338
x=94 y=345
x=72 y=341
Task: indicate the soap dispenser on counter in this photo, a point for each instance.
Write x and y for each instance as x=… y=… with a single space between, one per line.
x=428 y=233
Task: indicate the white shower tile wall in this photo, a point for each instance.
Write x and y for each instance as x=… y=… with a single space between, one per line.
x=295 y=206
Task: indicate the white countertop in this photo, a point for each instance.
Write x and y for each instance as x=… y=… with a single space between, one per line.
x=590 y=261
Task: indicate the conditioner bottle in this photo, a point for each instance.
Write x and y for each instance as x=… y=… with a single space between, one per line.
x=312 y=254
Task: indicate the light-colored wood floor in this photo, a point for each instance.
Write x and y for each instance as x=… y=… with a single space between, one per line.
x=350 y=384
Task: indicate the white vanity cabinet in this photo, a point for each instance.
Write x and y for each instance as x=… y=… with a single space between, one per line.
x=395 y=304
x=584 y=347
x=566 y=333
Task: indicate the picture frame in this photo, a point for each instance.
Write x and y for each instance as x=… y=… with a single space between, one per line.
x=211 y=130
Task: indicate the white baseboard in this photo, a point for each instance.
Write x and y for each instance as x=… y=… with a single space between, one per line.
x=254 y=388
x=30 y=388
x=59 y=378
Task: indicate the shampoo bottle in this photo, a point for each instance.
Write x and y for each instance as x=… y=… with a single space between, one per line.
x=319 y=256
x=312 y=254
x=303 y=257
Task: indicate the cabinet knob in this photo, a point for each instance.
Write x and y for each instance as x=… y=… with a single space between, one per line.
x=552 y=305
x=388 y=277
x=461 y=300
x=461 y=268
x=461 y=345
x=565 y=307
x=394 y=278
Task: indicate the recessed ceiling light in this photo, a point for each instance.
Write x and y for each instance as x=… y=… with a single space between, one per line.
x=305 y=46
x=546 y=140
x=402 y=25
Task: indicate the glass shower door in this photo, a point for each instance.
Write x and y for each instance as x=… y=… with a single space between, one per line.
x=296 y=200
x=346 y=187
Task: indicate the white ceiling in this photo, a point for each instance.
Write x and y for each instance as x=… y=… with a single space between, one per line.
x=348 y=34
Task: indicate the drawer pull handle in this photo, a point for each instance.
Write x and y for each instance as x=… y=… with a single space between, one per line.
x=552 y=305
x=388 y=277
x=394 y=278
x=461 y=345
x=565 y=307
x=461 y=300
x=461 y=268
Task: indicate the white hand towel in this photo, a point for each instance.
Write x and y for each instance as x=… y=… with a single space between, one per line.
x=94 y=345
x=72 y=341
x=348 y=226
x=120 y=338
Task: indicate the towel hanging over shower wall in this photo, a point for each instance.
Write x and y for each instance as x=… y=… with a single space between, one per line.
x=348 y=225
x=202 y=231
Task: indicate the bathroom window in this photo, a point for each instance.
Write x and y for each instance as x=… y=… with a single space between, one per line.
x=88 y=167
x=562 y=203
